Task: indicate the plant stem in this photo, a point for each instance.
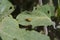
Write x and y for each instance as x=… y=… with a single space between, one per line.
x=50 y=2
x=46 y=30
x=40 y=2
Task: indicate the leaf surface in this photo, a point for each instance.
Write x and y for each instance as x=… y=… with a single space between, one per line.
x=5 y=8
x=36 y=18
x=11 y=31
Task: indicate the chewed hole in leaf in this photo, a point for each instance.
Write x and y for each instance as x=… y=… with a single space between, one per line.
x=21 y=26
x=48 y=12
x=0 y=38
x=10 y=8
x=28 y=27
x=39 y=28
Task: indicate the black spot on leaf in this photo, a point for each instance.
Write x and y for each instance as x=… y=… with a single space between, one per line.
x=10 y=8
x=48 y=12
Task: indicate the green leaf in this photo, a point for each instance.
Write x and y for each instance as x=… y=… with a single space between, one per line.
x=58 y=14
x=11 y=31
x=5 y=8
x=47 y=9
x=58 y=3
x=58 y=11
x=36 y=18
